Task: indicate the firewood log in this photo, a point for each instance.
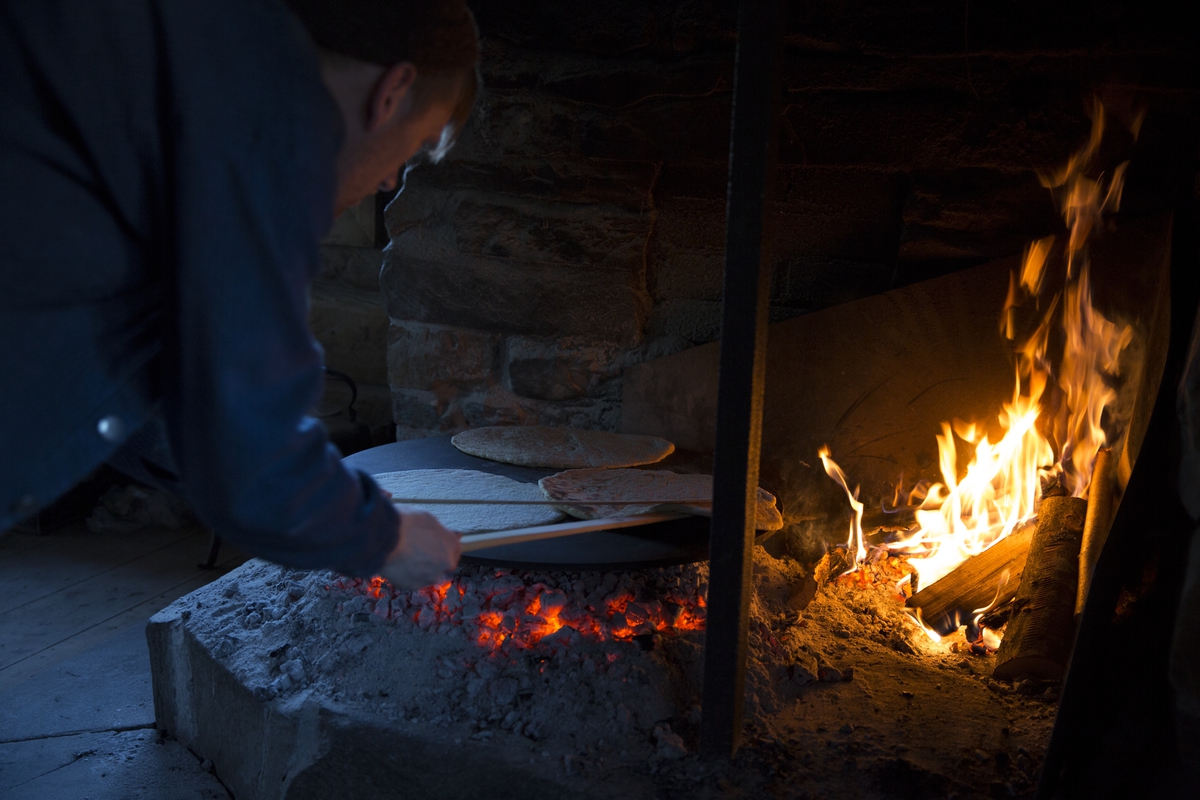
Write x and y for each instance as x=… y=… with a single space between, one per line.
x=975 y=583
x=1096 y=524
x=1037 y=641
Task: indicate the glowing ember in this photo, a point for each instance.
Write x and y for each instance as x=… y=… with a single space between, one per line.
x=504 y=611
x=1043 y=435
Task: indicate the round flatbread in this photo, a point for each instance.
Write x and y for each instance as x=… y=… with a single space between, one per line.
x=469 y=484
x=585 y=493
x=561 y=448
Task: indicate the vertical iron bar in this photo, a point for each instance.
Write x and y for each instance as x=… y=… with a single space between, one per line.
x=742 y=372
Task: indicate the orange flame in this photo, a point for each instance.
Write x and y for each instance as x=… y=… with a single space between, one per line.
x=930 y=632
x=1000 y=488
x=855 y=542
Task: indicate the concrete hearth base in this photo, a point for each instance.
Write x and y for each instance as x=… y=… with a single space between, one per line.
x=307 y=685
x=298 y=748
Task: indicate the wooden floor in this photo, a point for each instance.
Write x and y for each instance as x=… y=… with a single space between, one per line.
x=68 y=591
x=76 y=707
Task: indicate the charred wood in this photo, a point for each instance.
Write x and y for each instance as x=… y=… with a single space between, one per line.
x=836 y=562
x=997 y=617
x=1037 y=642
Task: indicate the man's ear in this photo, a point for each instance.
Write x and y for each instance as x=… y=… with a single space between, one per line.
x=391 y=94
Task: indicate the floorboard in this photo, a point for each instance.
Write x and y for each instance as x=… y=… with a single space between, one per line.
x=99 y=630
x=12 y=541
x=76 y=709
x=66 y=592
x=119 y=765
x=33 y=567
x=104 y=688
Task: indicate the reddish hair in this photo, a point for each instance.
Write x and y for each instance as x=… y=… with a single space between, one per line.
x=438 y=36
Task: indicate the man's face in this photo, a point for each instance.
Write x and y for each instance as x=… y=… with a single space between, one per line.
x=374 y=165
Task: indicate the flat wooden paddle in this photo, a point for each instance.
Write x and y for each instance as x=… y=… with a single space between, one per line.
x=457 y=501
x=480 y=541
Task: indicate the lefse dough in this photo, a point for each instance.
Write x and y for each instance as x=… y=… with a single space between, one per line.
x=561 y=448
x=469 y=484
x=585 y=493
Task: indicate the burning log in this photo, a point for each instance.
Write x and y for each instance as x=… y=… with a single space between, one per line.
x=1037 y=641
x=836 y=561
x=1096 y=524
x=976 y=583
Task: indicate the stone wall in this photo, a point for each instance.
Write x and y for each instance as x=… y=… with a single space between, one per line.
x=578 y=226
x=348 y=317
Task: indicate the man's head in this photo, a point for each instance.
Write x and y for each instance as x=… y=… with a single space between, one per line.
x=403 y=72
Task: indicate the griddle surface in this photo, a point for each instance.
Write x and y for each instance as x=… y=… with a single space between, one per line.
x=660 y=544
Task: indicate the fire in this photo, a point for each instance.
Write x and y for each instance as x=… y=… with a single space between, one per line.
x=506 y=612
x=1061 y=410
x=855 y=542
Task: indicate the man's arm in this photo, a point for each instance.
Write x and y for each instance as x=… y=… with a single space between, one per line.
x=251 y=187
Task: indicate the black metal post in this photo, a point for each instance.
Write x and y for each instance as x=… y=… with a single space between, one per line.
x=742 y=372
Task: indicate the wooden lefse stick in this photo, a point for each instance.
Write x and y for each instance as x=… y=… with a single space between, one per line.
x=480 y=541
x=1037 y=641
x=459 y=501
x=1096 y=524
x=976 y=583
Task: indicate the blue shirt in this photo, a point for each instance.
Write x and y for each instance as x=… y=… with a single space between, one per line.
x=167 y=169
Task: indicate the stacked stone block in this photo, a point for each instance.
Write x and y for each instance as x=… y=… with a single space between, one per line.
x=578 y=226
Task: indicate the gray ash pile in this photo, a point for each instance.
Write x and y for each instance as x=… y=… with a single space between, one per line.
x=593 y=680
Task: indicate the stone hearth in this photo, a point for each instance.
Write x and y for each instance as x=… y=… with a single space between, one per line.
x=304 y=685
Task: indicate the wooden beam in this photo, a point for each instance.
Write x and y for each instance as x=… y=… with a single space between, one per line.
x=742 y=372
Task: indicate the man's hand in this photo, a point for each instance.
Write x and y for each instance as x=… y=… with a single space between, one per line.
x=426 y=551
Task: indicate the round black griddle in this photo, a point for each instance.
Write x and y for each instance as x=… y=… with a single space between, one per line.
x=656 y=545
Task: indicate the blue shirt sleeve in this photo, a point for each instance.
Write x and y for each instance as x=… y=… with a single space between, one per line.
x=252 y=137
